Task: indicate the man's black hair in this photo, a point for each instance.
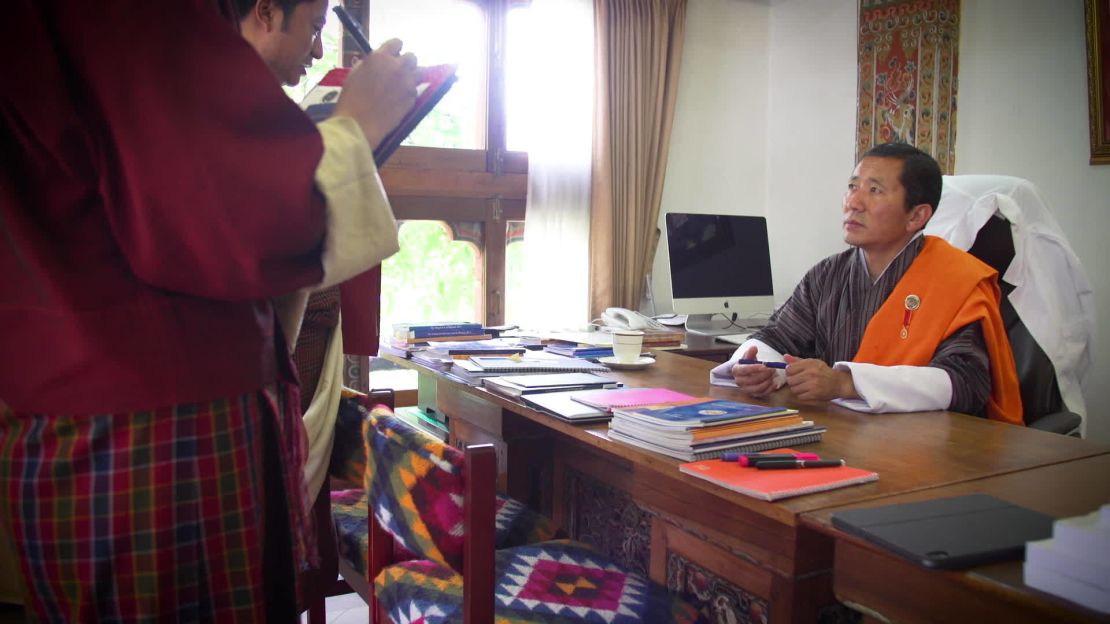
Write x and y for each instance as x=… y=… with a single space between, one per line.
x=243 y=7
x=921 y=176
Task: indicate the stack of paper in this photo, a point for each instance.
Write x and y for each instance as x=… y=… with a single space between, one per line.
x=710 y=427
x=517 y=385
x=1075 y=562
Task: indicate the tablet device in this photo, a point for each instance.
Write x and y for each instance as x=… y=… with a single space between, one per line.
x=949 y=533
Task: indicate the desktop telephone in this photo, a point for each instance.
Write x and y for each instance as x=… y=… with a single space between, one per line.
x=620 y=318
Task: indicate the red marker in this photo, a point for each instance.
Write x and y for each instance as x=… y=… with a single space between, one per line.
x=750 y=459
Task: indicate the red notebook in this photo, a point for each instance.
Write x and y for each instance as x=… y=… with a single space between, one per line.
x=434 y=84
x=772 y=485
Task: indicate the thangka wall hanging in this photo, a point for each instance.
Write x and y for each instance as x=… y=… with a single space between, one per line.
x=908 y=51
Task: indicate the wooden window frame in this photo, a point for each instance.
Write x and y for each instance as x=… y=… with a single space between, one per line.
x=488 y=186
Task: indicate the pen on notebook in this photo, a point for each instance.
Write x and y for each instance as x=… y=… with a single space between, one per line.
x=798 y=463
x=767 y=364
x=747 y=459
x=353 y=29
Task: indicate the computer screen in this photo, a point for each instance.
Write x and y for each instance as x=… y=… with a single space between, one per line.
x=719 y=264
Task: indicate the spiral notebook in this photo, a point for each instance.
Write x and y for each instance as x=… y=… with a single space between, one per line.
x=772 y=485
x=631 y=397
x=550 y=364
x=754 y=444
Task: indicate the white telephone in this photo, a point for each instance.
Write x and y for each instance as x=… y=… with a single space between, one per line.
x=620 y=318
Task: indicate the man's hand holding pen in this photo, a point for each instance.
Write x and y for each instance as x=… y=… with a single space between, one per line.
x=754 y=377
x=380 y=89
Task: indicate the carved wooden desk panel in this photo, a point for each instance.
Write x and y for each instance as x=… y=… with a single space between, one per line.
x=737 y=554
x=889 y=587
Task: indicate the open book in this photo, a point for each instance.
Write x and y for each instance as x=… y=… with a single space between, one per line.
x=319 y=103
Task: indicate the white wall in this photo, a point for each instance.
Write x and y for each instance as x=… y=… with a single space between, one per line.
x=719 y=139
x=812 y=121
x=1022 y=111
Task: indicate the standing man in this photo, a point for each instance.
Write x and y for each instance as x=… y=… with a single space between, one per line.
x=899 y=322
x=160 y=190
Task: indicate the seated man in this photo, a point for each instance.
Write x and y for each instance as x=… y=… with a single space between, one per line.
x=899 y=322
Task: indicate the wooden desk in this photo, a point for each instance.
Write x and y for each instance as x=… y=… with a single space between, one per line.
x=736 y=554
x=875 y=582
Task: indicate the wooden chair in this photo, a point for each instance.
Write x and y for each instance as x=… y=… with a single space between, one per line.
x=439 y=503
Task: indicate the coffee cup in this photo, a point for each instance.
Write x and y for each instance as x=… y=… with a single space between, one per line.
x=627 y=344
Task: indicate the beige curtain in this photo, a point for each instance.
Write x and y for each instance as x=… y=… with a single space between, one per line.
x=639 y=49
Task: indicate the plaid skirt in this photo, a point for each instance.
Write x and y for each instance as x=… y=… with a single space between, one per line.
x=178 y=514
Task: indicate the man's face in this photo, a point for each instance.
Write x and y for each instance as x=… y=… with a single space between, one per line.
x=294 y=41
x=875 y=216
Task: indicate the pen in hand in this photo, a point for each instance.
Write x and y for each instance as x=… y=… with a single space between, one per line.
x=767 y=364
x=353 y=29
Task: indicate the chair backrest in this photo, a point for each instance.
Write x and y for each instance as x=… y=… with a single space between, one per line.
x=1044 y=282
x=1040 y=391
x=417 y=490
x=436 y=501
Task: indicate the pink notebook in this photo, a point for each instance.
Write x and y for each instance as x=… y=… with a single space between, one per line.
x=630 y=397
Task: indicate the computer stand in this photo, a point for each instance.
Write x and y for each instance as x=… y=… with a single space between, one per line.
x=706 y=325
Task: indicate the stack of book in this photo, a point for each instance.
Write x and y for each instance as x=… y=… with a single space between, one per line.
x=708 y=428
x=427 y=420
x=406 y=334
x=518 y=386
x=1075 y=562
x=663 y=338
x=573 y=349
x=473 y=370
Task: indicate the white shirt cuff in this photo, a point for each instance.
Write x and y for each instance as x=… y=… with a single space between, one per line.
x=897 y=388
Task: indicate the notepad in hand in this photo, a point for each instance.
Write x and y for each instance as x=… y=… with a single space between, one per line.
x=435 y=82
x=772 y=485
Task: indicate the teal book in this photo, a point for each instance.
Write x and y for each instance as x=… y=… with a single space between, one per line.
x=701 y=414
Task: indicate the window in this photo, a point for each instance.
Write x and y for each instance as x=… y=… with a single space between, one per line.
x=458 y=190
x=442 y=31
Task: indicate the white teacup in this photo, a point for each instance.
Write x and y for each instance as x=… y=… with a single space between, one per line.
x=627 y=344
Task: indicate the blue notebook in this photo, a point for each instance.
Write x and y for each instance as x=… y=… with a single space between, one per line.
x=702 y=414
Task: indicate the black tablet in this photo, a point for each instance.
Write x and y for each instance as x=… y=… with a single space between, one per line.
x=949 y=533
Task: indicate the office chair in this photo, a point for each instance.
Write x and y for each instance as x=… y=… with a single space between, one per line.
x=1047 y=303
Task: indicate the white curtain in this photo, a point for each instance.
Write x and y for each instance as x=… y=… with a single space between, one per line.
x=559 y=126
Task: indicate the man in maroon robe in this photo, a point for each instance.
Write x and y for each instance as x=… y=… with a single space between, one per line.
x=158 y=190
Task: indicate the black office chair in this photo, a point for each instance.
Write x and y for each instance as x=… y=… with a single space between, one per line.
x=1040 y=392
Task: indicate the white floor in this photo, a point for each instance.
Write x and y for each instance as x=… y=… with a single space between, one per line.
x=345 y=609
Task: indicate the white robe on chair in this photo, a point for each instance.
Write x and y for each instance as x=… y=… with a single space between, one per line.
x=1051 y=295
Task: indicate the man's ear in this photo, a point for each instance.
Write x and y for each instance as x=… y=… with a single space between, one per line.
x=264 y=12
x=919 y=216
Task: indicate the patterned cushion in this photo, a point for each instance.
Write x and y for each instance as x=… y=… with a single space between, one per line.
x=416 y=485
x=516 y=525
x=552 y=582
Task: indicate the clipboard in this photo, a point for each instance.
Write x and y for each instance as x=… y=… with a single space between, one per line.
x=949 y=533
x=435 y=82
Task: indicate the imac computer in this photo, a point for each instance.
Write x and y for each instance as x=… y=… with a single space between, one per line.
x=720 y=271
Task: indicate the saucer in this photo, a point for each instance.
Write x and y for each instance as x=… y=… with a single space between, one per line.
x=612 y=362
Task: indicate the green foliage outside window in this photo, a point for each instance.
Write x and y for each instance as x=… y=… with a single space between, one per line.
x=431 y=278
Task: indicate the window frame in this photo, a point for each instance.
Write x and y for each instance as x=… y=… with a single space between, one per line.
x=488 y=186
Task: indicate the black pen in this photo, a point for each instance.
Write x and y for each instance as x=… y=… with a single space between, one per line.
x=352 y=28
x=798 y=463
x=767 y=364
